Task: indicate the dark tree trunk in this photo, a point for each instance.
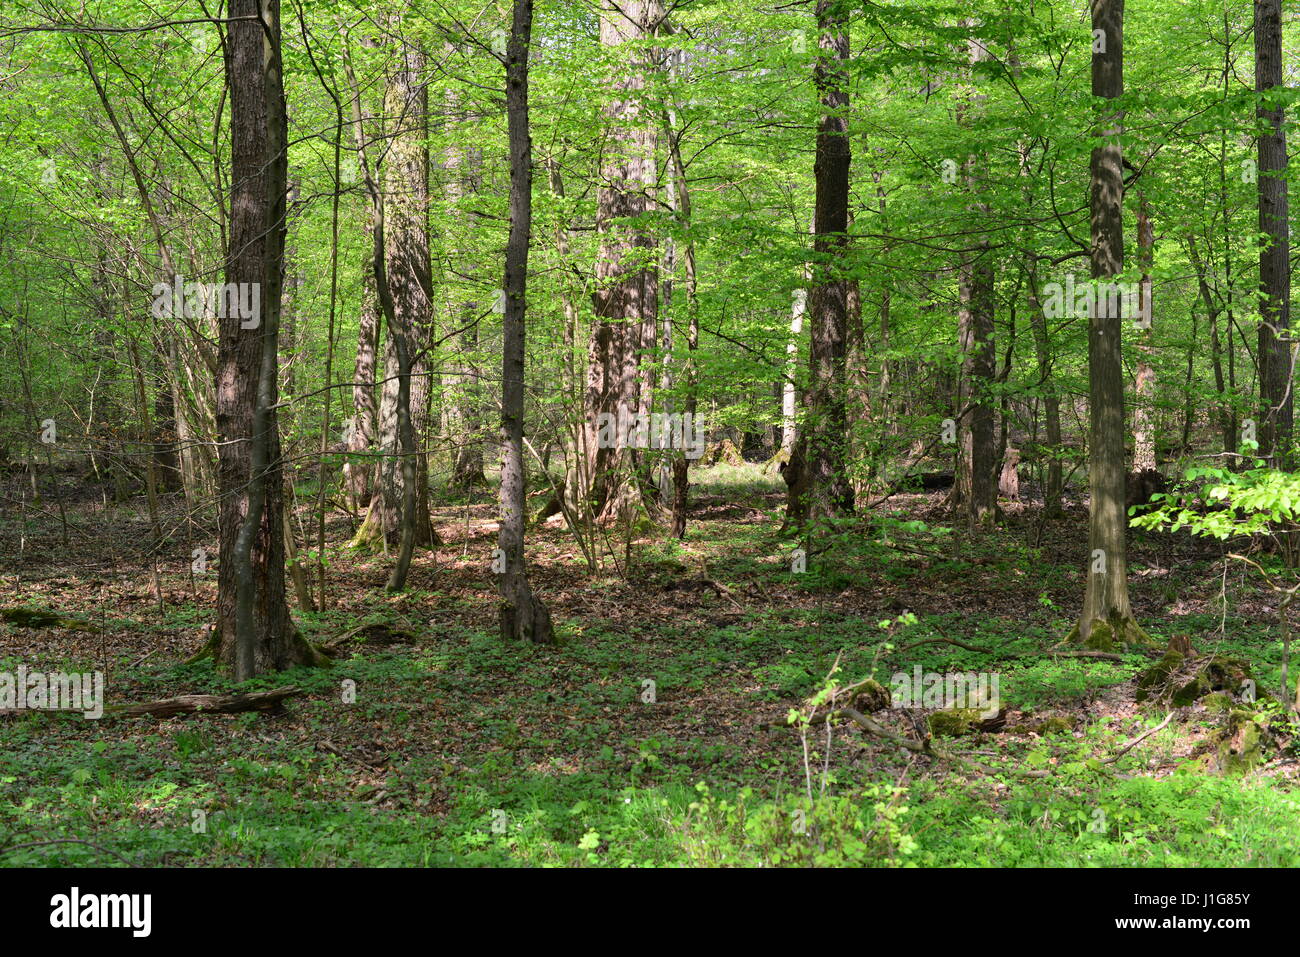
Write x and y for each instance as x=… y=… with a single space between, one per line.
x=818 y=479
x=254 y=631
x=681 y=202
x=976 y=489
x=523 y=616
x=165 y=453
x=1275 y=370
x=1227 y=425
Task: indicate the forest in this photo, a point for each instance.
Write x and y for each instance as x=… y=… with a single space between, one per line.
x=648 y=433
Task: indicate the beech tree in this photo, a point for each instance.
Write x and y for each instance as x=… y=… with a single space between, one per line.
x=1107 y=618
x=523 y=615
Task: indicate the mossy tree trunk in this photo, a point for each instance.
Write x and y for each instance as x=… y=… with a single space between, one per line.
x=1106 y=620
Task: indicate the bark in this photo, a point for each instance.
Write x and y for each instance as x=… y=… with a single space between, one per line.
x=1106 y=620
x=523 y=616
x=361 y=431
x=789 y=386
x=690 y=404
x=1144 y=437
x=404 y=472
x=166 y=456
x=272 y=701
x=816 y=474
x=626 y=297
x=254 y=631
x=976 y=489
x=1052 y=484
x=790 y=382
x=463 y=165
x=1275 y=369
x=1227 y=422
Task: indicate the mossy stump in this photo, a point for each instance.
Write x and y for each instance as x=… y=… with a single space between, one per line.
x=955 y=722
x=1112 y=634
x=1239 y=742
x=1183 y=680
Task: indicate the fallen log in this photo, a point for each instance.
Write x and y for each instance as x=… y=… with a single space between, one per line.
x=209 y=703
x=380 y=633
x=39 y=618
x=926 y=745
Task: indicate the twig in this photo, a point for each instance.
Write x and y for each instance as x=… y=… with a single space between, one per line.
x=1130 y=745
x=66 y=840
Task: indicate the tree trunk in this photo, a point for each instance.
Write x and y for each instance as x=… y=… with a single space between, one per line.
x=464 y=178
x=681 y=203
x=1051 y=401
x=1107 y=620
x=523 y=616
x=626 y=297
x=405 y=394
x=976 y=488
x=816 y=475
x=1275 y=372
x=1144 y=436
x=1227 y=424
x=361 y=474
x=254 y=631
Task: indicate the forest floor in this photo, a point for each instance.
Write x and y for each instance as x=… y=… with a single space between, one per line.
x=460 y=749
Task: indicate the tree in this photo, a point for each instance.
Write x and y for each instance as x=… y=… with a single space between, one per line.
x=464 y=181
x=523 y=616
x=976 y=488
x=254 y=630
x=405 y=394
x=679 y=201
x=1275 y=362
x=365 y=415
x=1144 y=436
x=626 y=298
x=1107 y=617
x=816 y=473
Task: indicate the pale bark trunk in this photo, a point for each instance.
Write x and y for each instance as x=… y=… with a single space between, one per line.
x=1144 y=437
x=626 y=296
x=463 y=166
x=523 y=616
